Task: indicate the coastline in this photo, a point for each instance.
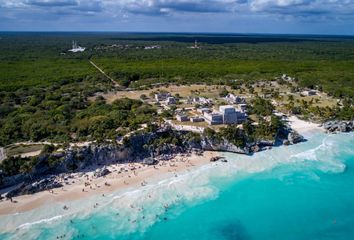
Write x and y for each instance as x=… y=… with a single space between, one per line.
x=83 y=185
x=304 y=128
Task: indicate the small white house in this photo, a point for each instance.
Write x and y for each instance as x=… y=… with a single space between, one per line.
x=309 y=93
x=197 y=119
x=203 y=110
x=233 y=99
x=171 y=101
x=162 y=96
x=182 y=118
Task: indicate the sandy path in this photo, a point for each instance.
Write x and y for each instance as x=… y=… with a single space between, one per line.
x=101 y=71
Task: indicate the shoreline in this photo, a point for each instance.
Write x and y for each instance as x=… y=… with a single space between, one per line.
x=133 y=175
x=303 y=127
x=84 y=185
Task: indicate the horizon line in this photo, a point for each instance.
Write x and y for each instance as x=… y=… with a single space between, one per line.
x=172 y=32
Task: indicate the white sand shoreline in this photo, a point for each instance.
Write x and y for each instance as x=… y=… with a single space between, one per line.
x=135 y=175
x=304 y=127
x=85 y=185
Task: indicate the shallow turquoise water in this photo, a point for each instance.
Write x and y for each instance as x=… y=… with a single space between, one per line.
x=304 y=191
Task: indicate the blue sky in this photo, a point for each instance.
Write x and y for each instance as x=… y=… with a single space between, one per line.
x=236 y=16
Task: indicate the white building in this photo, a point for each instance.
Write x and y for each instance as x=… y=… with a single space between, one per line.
x=162 y=96
x=287 y=78
x=182 y=118
x=171 y=101
x=233 y=99
x=309 y=93
x=195 y=45
x=202 y=100
x=213 y=118
x=76 y=48
x=152 y=47
x=203 y=110
x=197 y=119
x=231 y=115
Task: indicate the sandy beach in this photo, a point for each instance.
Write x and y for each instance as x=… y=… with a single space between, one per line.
x=303 y=127
x=122 y=176
x=85 y=184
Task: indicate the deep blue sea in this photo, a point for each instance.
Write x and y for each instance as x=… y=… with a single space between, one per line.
x=304 y=191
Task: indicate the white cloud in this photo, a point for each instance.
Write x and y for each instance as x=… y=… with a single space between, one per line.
x=338 y=9
x=303 y=7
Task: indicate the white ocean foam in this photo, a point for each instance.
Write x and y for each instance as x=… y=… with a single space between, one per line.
x=198 y=185
x=46 y=220
x=326 y=154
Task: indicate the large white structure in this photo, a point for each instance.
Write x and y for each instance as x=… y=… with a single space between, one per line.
x=76 y=48
x=213 y=118
x=229 y=114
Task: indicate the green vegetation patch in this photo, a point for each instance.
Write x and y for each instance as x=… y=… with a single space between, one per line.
x=15 y=150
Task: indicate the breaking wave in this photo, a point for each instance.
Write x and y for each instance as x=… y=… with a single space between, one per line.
x=134 y=210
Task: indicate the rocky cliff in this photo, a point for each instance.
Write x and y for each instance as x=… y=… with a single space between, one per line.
x=146 y=147
x=339 y=126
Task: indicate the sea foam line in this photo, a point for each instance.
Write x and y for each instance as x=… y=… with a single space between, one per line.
x=46 y=220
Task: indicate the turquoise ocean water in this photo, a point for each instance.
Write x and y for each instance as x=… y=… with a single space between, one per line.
x=305 y=191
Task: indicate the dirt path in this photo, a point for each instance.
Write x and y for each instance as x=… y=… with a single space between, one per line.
x=101 y=71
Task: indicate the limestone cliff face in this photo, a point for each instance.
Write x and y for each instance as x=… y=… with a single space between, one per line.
x=93 y=155
x=147 y=147
x=223 y=145
x=339 y=126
